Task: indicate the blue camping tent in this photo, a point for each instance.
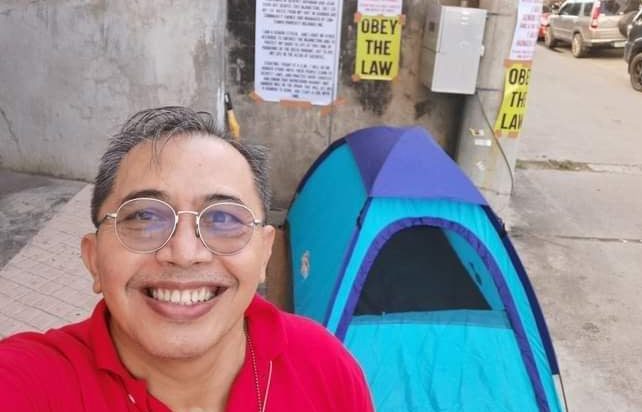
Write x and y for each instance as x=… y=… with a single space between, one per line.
x=396 y=252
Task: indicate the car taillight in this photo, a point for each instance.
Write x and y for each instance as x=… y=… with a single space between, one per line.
x=595 y=15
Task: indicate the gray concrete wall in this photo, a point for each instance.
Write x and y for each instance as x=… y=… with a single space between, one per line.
x=71 y=71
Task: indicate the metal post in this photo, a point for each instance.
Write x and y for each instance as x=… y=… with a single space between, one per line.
x=488 y=161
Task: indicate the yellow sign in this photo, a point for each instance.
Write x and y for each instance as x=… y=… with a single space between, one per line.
x=511 y=113
x=378 y=44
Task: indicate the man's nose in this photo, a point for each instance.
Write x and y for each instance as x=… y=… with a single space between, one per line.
x=193 y=221
x=185 y=247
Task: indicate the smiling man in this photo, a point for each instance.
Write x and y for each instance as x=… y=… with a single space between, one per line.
x=181 y=245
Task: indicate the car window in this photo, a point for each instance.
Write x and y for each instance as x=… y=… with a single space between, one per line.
x=588 y=9
x=572 y=9
x=611 y=7
x=564 y=9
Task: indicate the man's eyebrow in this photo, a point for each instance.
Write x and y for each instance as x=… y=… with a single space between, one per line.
x=153 y=193
x=221 y=197
x=159 y=194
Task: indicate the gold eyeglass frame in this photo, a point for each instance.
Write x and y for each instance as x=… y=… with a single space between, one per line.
x=254 y=223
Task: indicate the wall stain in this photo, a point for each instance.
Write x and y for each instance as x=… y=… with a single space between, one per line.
x=12 y=133
x=373 y=95
x=200 y=58
x=423 y=107
x=241 y=26
x=98 y=9
x=206 y=83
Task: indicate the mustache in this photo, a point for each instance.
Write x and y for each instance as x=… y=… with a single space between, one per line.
x=181 y=276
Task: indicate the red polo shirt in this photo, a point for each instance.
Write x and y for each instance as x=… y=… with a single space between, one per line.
x=76 y=368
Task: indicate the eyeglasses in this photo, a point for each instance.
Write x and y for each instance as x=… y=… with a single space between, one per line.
x=145 y=225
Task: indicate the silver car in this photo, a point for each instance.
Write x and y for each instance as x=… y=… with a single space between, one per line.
x=586 y=24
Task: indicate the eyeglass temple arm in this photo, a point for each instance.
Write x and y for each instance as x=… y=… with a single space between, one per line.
x=107 y=216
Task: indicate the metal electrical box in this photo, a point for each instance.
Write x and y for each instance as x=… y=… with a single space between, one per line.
x=452 y=47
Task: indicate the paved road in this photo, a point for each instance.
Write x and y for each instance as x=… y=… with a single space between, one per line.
x=577 y=224
x=27 y=202
x=581 y=107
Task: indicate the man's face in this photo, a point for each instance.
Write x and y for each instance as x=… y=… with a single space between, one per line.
x=187 y=171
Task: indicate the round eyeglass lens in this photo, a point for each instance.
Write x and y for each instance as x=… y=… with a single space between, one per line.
x=144 y=225
x=226 y=227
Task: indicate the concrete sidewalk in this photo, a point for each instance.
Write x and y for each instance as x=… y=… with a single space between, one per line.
x=45 y=284
x=576 y=236
x=27 y=203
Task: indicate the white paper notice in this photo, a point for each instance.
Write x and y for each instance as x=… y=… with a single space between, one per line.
x=380 y=7
x=525 y=37
x=297 y=50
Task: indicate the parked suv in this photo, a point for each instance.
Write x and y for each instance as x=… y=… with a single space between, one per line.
x=586 y=24
x=633 y=51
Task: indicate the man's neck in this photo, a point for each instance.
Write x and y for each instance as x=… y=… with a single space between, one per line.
x=185 y=384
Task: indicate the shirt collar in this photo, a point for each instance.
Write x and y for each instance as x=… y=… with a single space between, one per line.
x=104 y=349
x=106 y=356
x=265 y=324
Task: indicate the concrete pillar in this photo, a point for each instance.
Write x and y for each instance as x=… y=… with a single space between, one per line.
x=491 y=168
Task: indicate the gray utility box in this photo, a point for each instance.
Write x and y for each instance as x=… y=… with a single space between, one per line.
x=451 y=48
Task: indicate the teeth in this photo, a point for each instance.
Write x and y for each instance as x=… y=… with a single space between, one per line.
x=184 y=297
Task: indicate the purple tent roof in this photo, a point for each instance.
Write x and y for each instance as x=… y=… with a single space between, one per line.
x=407 y=162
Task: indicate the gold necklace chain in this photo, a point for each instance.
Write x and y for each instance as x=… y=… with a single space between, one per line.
x=261 y=406
x=255 y=371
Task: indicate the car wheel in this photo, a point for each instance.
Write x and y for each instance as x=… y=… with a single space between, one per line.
x=577 y=46
x=635 y=70
x=549 y=39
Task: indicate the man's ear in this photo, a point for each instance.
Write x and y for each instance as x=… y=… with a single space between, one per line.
x=89 y=253
x=268 y=233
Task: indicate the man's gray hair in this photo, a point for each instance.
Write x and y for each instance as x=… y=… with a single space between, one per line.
x=162 y=123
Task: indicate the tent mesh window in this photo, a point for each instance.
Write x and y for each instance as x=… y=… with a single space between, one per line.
x=418 y=270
